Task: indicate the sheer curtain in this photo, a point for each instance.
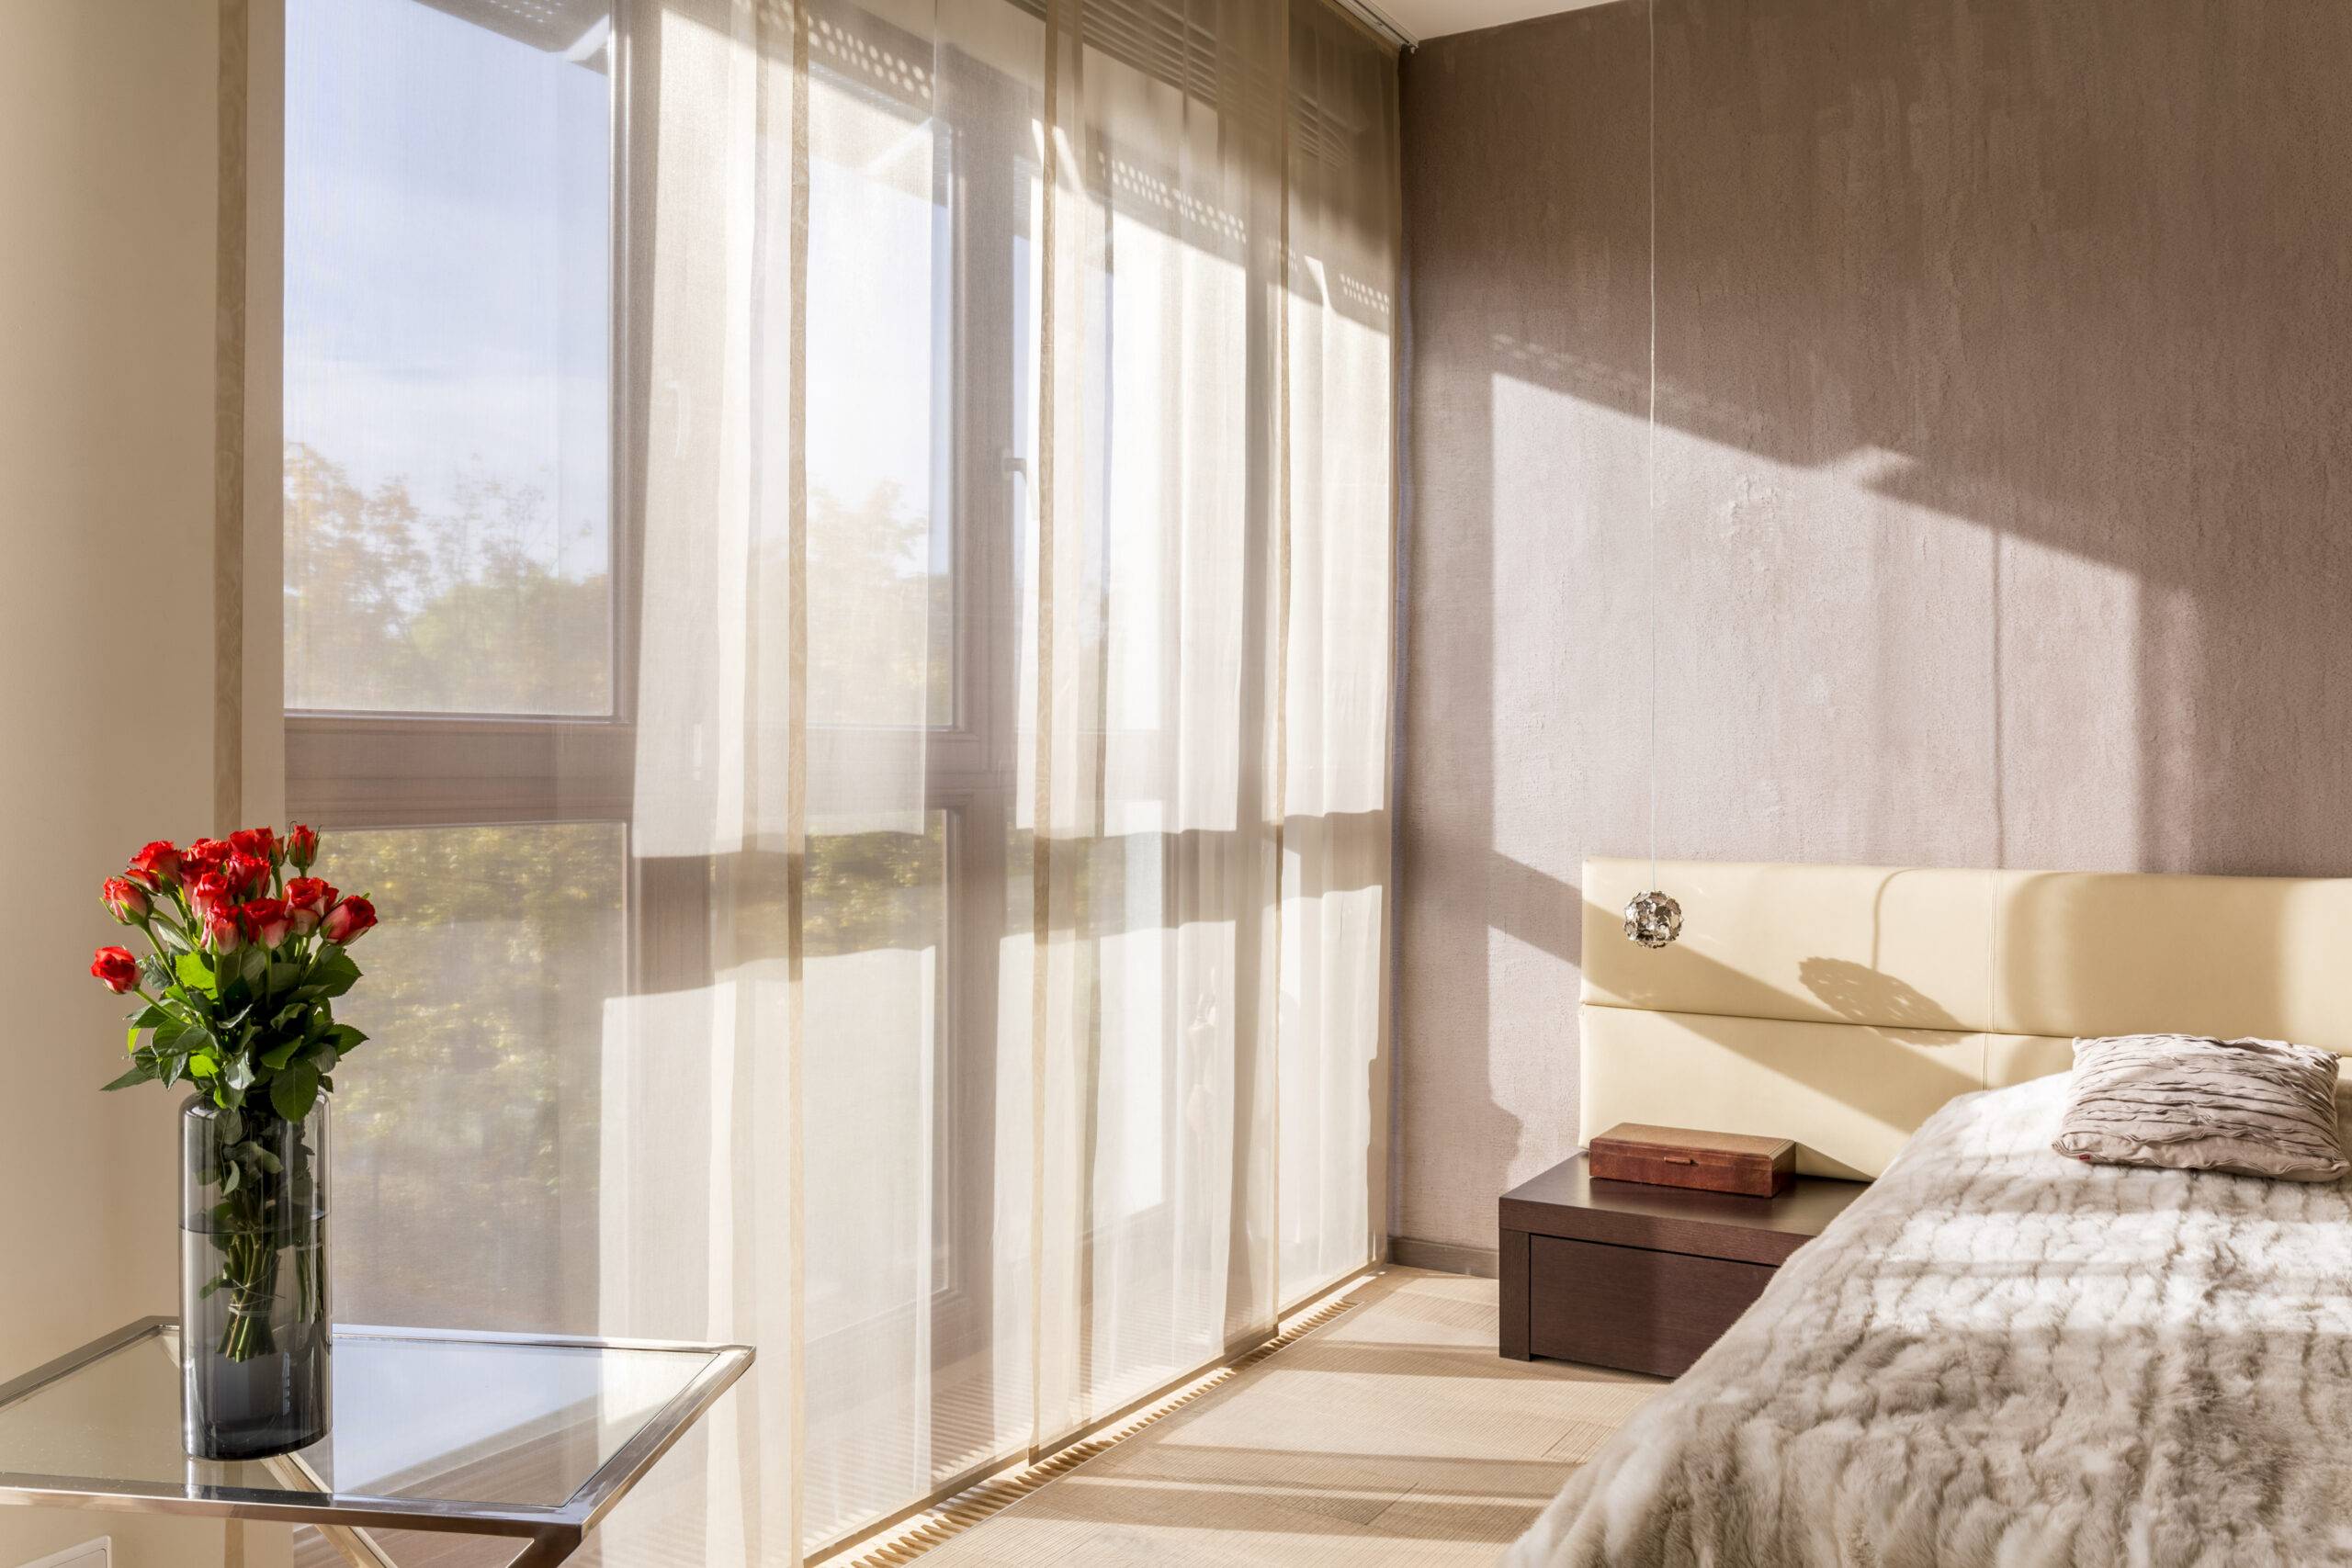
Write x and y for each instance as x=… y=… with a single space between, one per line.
x=996 y=757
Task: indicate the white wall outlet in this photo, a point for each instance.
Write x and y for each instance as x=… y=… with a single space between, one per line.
x=98 y=1554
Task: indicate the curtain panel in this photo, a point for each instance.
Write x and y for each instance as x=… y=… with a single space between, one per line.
x=994 y=747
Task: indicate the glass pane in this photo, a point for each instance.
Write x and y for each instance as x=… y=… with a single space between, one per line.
x=448 y=537
x=460 y=1420
x=881 y=352
x=467 y=1126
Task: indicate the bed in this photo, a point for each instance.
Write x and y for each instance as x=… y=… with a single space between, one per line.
x=1997 y=1356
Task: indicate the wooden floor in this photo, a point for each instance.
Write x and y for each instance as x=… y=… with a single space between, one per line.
x=1393 y=1436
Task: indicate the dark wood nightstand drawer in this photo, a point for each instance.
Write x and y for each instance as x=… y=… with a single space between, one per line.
x=1621 y=1274
x=1631 y=1308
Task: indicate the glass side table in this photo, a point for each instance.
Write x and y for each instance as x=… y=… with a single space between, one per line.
x=483 y=1434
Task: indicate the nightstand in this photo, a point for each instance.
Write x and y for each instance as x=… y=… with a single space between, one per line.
x=1643 y=1279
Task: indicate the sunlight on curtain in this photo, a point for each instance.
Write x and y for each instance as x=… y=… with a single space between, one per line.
x=1344 y=239
x=1148 y=728
x=965 y=937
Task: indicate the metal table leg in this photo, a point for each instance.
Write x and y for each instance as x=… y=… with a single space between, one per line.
x=546 y=1550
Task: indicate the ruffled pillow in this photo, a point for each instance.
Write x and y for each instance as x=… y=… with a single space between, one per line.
x=2185 y=1102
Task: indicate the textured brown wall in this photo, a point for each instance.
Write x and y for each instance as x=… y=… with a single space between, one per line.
x=2003 y=473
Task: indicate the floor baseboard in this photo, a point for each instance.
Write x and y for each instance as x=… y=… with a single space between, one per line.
x=1444 y=1256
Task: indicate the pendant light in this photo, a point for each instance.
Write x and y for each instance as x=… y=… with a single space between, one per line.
x=1653 y=918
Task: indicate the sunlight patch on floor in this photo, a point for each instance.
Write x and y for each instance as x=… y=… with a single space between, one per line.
x=1393 y=1436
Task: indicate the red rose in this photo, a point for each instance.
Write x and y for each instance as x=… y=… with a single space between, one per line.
x=245 y=874
x=115 y=968
x=205 y=854
x=125 y=899
x=268 y=921
x=224 y=931
x=208 y=893
x=258 y=843
x=349 y=921
x=307 y=899
x=302 y=846
x=157 y=866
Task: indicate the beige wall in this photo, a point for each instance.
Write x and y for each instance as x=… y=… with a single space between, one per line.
x=2004 y=479
x=108 y=180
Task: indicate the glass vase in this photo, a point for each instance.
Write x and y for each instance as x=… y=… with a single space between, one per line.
x=255 y=1378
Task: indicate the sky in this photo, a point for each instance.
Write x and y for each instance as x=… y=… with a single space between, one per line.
x=448 y=271
x=447 y=260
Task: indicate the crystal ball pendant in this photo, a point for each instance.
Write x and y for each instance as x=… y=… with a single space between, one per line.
x=1653 y=918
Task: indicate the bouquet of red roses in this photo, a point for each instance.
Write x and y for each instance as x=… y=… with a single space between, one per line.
x=246 y=962
x=248 y=954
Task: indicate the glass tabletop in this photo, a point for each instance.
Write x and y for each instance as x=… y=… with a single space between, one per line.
x=459 y=1425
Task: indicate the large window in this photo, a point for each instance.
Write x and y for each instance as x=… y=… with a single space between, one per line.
x=681 y=647
x=451 y=617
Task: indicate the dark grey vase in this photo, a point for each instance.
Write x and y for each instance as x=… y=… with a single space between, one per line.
x=257 y=1376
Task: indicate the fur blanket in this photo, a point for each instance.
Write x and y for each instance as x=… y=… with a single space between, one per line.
x=1998 y=1356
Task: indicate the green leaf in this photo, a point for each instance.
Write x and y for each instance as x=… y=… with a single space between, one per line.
x=232 y=1125
x=148 y=1016
x=231 y=1177
x=295 y=1090
x=194 y=972
x=253 y=965
x=323 y=1060
x=334 y=973
x=342 y=1037
x=158 y=972
x=143 y=1072
x=240 y=1076
x=284 y=972
x=277 y=1056
x=200 y=1064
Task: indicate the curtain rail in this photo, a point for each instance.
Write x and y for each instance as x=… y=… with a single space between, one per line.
x=1379 y=21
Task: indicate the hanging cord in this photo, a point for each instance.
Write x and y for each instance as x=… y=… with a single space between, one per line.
x=1649 y=454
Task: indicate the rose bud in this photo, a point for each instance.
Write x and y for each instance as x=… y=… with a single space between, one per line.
x=302 y=846
x=125 y=899
x=245 y=874
x=349 y=921
x=115 y=968
x=268 y=921
x=307 y=899
x=224 y=932
x=157 y=866
x=258 y=843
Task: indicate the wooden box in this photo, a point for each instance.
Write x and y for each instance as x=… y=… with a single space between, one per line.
x=1684 y=1157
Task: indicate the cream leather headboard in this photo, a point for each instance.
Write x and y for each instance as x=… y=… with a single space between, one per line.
x=1841 y=1005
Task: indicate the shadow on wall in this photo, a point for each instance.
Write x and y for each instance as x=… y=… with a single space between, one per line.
x=2003 y=468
